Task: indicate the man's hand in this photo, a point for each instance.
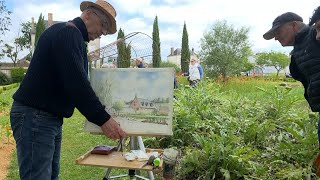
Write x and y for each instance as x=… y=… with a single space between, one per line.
x=112 y=129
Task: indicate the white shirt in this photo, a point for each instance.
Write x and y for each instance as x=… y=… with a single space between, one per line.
x=194 y=73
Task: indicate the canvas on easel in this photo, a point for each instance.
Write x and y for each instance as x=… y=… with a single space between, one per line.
x=140 y=100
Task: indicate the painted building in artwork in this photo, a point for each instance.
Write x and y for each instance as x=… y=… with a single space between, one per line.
x=163 y=110
x=141 y=104
x=148 y=106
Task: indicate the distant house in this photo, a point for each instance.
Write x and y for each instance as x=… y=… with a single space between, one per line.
x=6 y=67
x=175 y=56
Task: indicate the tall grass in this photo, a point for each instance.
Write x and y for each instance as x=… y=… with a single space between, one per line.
x=249 y=87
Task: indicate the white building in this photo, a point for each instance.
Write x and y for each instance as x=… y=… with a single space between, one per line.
x=175 y=56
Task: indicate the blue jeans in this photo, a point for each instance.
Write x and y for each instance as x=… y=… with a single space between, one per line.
x=38 y=141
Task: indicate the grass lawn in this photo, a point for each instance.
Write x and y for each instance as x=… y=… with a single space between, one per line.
x=75 y=143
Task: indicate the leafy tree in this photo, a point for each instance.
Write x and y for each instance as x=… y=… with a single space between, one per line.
x=225 y=50
x=247 y=66
x=25 y=40
x=185 y=51
x=20 y=43
x=12 y=51
x=5 y=20
x=278 y=60
x=40 y=28
x=124 y=51
x=118 y=106
x=156 y=58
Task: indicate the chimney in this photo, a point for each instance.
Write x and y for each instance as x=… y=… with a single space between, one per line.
x=32 y=24
x=32 y=34
x=50 y=21
x=172 y=50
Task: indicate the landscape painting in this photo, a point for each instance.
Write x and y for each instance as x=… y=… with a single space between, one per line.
x=139 y=99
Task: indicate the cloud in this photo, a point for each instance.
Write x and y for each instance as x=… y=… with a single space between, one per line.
x=130 y=7
x=200 y=15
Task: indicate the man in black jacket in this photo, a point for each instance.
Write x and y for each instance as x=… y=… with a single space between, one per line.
x=56 y=83
x=315 y=19
x=290 y=30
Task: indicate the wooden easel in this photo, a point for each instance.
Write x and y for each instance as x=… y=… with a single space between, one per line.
x=116 y=160
x=135 y=141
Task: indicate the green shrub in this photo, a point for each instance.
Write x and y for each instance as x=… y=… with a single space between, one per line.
x=182 y=80
x=10 y=86
x=15 y=85
x=242 y=130
x=4 y=79
x=17 y=74
x=169 y=64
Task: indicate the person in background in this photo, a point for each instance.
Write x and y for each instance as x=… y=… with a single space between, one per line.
x=200 y=70
x=107 y=65
x=175 y=82
x=55 y=84
x=289 y=30
x=139 y=63
x=194 y=73
x=315 y=19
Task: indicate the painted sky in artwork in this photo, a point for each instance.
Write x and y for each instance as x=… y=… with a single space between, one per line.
x=145 y=83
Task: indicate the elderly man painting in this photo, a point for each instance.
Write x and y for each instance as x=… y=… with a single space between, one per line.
x=56 y=83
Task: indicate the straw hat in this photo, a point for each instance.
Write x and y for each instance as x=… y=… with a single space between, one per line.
x=106 y=8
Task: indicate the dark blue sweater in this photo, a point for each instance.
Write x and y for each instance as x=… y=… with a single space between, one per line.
x=56 y=80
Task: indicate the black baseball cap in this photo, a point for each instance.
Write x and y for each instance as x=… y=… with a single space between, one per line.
x=279 y=21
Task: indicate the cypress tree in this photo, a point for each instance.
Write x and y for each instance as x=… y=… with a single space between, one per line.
x=121 y=50
x=185 y=51
x=156 y=57
x=40 y=28
x=124 y=51
x=127 y=55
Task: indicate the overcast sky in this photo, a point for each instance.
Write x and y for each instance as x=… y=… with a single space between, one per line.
x=199 y=15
